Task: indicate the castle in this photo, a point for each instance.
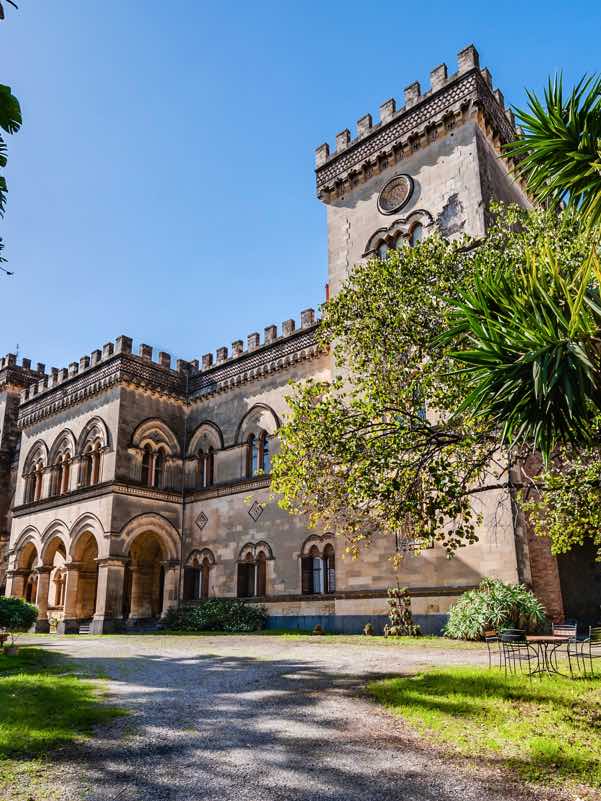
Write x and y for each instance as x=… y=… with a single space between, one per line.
x=129 y=485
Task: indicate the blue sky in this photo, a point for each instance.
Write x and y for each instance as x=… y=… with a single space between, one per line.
x=162 y=184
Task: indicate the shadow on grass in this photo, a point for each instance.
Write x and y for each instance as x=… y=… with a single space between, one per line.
x=547 y=728
x=43 y=706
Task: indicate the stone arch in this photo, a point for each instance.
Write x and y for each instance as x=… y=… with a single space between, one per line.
x=316 y=541
x=258 y=419
x=200 y=554
x=26 y=561
x=65 y=441
x=402 y=226
x=156 y=524
x=94 y=430
x=37 y=452
x=55 y=534
x=87 y=523
x=206 y=435
x=155 y=433
x=254 y=549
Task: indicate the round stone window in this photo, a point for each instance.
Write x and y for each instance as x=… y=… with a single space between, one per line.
x=395 y=194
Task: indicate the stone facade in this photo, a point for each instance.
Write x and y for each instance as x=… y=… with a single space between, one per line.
x=130 y=485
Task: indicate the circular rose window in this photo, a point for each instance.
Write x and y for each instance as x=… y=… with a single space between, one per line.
x=395 y=194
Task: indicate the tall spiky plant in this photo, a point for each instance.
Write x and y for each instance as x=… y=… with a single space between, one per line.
x=559 y=151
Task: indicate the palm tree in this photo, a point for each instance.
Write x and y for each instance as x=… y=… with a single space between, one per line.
x=10 y=122
x=13 y=4
x=559 y=150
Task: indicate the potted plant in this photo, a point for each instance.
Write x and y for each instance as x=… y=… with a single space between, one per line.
x=15 y=615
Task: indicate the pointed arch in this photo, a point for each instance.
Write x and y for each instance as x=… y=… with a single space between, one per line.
x=257 y=419
x=154 y=432
x=37 y=452
x=153 y=523
x=87 y=523
x=65 y=441
x=206 y=434
x=94 y=430
x=200 y=554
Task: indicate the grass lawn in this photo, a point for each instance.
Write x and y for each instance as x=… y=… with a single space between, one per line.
x=43 y=706
x=548 y=729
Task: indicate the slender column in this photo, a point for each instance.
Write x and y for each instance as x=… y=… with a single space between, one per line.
x=109 y=597
x=41 y=599
x=70 y=622
x=170 y=586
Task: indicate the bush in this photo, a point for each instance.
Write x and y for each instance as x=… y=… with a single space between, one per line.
x=217 y=615
x=16 y=615
x=494 y=605
x=399 y=614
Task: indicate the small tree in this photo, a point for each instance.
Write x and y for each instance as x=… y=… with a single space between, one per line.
x=16 y=615
x=399 y=614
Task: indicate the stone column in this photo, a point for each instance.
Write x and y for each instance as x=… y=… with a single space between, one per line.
x=171 y=583
x=108 y=616
x=15 y=583
x=70 y=622
x=141 y=592
x=41 y=600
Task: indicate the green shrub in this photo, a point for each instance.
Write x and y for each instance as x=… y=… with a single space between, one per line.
x=494 y=605
x=217 y=615
x=16 y=615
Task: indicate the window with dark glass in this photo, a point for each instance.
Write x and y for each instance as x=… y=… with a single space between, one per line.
x=265 y=453
x=329 y=569
x=246 y=578
x=261 y=574
x=159 y=469
x=147 y=465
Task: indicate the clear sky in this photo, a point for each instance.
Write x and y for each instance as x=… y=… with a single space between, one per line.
x=162 y=184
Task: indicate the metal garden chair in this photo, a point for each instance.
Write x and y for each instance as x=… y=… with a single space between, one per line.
x=568 y=630
x=517 y=653
x=589 y=649
x=493 y=645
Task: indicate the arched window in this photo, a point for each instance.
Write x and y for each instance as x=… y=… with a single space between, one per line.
x=210 y=467
x=382 y=250
x=159 y=469
x=261 y=574
x=417 y=233
x=201 y=466
x=265 y=456
x=252 y=456
x=204 y=579
x=86 y=467
x=147 y=465
x=329 y=569
x=246 y=577
x=65 y=473
x=29 y=488
x=96 y=456
x=39 y=476
x=312 y=573
x=400 y=242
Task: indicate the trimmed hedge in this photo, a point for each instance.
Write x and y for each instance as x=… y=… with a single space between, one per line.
x=217 y=615
x=494 y=605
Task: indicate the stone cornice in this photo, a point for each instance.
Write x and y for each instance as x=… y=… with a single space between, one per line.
x=231 y=488
x=460 y=97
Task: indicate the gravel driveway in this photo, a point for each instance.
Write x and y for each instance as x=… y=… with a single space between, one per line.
x=259 y=718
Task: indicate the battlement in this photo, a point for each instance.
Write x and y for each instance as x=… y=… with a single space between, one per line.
x=42 y=383
x=253 y=342
x=423 y=117
x=20 y=375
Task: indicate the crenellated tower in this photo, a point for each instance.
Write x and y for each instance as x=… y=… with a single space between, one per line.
x=434 y=161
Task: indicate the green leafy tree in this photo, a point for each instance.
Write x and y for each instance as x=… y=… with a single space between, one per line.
x=16 y=615
x=399 y=443
x=530 y=333
x=559 y=151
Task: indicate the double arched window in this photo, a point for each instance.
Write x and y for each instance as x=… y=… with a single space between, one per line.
x=258 y=454
x=90 y=464
x=197 y=576
x=318 y=570
x=252 y=571
x=153 y=467
x=34 y=482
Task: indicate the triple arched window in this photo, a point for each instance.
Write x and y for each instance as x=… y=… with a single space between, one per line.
x=415 y=235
